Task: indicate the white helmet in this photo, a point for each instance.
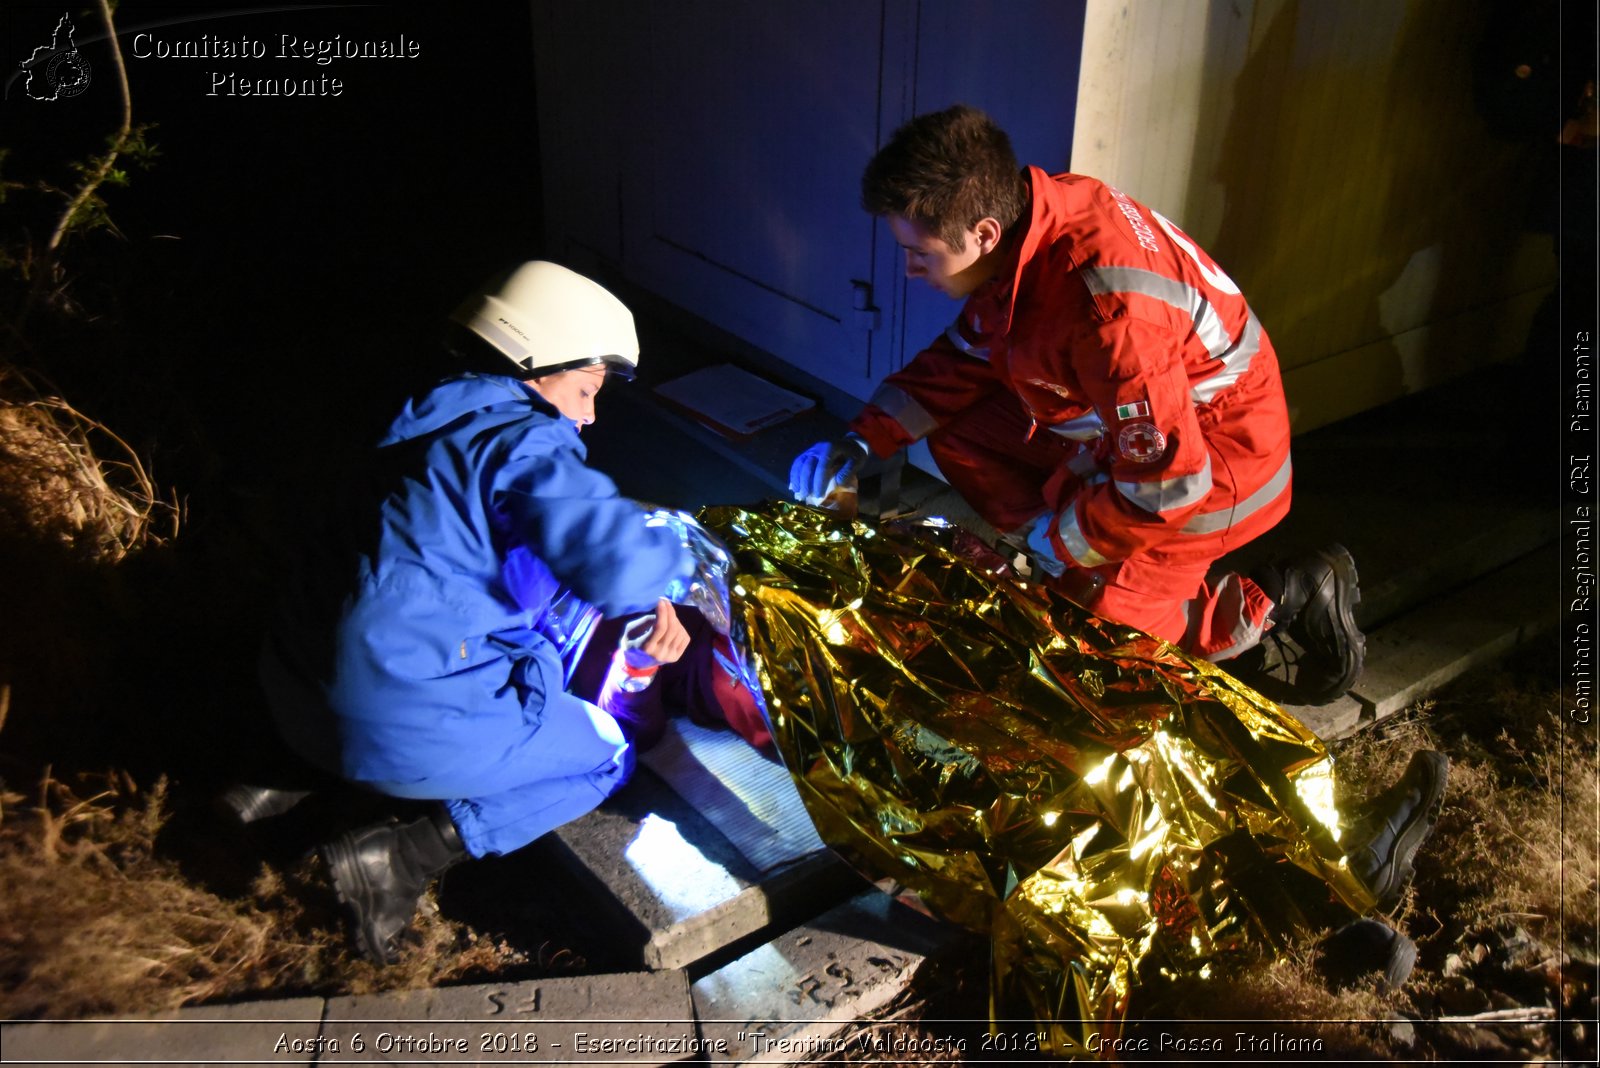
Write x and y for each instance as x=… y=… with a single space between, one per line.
x=545 y=319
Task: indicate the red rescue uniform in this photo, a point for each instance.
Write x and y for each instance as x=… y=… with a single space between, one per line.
x=1111 y=378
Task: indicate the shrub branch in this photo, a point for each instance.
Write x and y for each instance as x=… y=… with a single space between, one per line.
x=98 y=176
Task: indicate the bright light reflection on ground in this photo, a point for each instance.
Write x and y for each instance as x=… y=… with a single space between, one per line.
x=681 y=878
x=762 y=969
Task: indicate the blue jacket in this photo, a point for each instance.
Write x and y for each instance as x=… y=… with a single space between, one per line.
x=419 y=633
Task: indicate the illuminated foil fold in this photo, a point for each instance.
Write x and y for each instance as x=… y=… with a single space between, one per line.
x=1092 y=798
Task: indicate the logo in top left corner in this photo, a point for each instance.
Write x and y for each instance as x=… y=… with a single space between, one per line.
x=57 y=70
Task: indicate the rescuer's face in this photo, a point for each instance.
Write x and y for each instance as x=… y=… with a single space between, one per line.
x=572 y=392
x=930 y=258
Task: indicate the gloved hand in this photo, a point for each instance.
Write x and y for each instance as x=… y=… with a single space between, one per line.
x=827 y=467
x=1040 y=550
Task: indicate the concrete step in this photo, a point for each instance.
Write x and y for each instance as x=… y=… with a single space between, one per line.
x=805 y=995
x=1414 y=583
x=657 y=455
x=1408 y=554
x=678 y=890
x=692 y=464
x=629 y=1017
x=1478 y=551
x=622 y=1018
x=280 y=1032
x=1427 y=647
x=1413 y=655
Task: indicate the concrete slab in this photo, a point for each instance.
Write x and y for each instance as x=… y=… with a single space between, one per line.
x=752 y=800
x=636 y=1017
x=659 y=456
x=707 y=467
x=1428 y=647
x=805 y=994
x=679 y=886
x=1335 y=720
x=264 y=1032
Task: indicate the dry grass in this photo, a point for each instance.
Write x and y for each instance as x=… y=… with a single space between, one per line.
x=101 y=919
x=100 y=925
x=1286 y=997
x=100 y=922
x=102 y=912
x=1516 y=839
x=60 y=486
x=1502 y=906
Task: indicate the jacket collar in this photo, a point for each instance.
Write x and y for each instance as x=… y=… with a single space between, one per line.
x=1026 y=242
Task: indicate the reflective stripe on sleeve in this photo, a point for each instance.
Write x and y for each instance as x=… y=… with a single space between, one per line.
x=1185 y=298
x=1235 y=355
x=1078 y=546
x=1084 y=428
x=953 y=332
x=1235 y=362
x=1222 y=519
x=900 y=406
x=1169 y=494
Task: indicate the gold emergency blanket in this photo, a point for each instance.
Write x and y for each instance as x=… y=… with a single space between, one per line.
x=1096 y=801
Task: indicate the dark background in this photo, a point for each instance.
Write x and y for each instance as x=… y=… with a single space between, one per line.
x=273 y=289
x=283 y=257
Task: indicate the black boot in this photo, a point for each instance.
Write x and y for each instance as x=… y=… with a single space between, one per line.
x=1365 y=947
x=380 y=872
x=1385 y=841
x=1315 y=596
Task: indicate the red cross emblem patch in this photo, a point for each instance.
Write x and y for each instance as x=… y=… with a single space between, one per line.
x=1142 y=443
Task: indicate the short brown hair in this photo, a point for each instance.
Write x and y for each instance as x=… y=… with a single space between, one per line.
x=944 y=171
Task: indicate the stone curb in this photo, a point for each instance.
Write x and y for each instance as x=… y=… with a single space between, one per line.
x=631 y=1017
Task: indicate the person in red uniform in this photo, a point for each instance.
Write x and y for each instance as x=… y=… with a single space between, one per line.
x=1105 y=398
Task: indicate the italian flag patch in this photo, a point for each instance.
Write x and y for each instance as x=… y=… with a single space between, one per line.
x=1134 y=410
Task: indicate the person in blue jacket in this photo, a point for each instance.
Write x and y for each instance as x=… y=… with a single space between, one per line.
x=421 y=654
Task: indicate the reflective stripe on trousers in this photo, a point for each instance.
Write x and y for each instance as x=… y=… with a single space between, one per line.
x=1223 y=619
x=1223 y=518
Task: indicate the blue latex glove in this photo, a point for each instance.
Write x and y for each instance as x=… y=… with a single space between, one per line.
x=1040 y=551
x=826 y=466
